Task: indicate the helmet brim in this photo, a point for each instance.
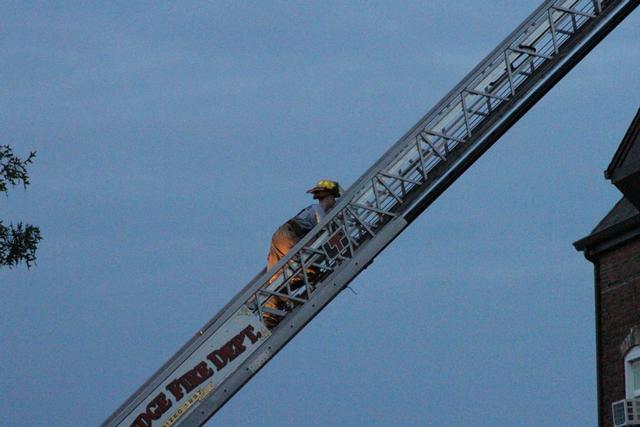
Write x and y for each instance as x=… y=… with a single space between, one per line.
x=316 y=189
x=322 y=194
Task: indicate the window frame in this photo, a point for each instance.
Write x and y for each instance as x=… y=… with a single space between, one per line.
x=632 y=390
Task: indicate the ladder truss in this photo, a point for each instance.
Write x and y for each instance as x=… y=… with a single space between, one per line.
x=236 y=343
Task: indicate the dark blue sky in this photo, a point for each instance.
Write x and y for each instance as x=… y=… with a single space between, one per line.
x=174 y=138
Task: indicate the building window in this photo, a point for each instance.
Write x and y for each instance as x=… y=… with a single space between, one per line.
x=632 y=372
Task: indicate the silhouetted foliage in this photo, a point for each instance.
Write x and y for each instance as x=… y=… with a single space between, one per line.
x=18 y=243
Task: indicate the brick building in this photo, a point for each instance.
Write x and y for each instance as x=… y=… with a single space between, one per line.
x=614 y=249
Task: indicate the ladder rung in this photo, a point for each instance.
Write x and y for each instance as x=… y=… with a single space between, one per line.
x=597 y=4
x=488 y=95
x=528 y=52
x=281 y=295
x=442 y=135
x=573 y=11
x=314 y=250
x=401 y=178
x=274 y=311
x=372 y=209
x=479 y=113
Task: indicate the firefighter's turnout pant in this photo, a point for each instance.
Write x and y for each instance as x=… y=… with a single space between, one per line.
x=282 y=241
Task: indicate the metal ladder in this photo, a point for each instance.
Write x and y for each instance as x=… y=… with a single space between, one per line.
x=236 y=343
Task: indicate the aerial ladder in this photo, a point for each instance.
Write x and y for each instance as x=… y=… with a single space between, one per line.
x=233 y=346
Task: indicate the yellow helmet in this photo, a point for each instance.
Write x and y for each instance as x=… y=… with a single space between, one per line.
x=324 y=188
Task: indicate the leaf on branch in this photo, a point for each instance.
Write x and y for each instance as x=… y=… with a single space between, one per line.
x=13 y=169
x=18 y=244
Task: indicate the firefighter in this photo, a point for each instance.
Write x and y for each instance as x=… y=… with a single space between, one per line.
x=288 y=234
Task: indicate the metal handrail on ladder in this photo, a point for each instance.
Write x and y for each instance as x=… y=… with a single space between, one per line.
x=236 y=343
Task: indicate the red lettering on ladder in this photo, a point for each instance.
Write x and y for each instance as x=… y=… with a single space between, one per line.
x=232 y=348
x=154 y=411
x=190 y=380
x=248 y=331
